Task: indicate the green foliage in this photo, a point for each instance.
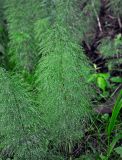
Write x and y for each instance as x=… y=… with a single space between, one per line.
x=115 y=113
x=116 y=79
x=102 y=81
x=48 y=118
x=3 y=36
x=88 y=25
x=112 y=145
x=111 y=126
x=118 y=150
x=61 y=79
x=116 y=7
x=20 y=123
x=112 y=47
x=22 y=48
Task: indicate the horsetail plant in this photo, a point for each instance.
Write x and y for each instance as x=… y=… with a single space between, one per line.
x=61 y=74
x=20 y=126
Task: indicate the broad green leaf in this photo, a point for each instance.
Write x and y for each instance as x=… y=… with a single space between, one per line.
x=101 y=82
x=116 y=79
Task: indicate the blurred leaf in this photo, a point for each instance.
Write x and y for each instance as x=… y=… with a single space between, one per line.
x=116 y=79
x=103 y=157
x=105 y=117
x=118 y=150
x=116 y=110
x=92 y=78
x=104 y=75
x=112 y=145
x=101 y=82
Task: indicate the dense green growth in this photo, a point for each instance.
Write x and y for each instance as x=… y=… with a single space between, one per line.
x=48 y=88
x=22 y=48
x=19 y=119
x=60 y=76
